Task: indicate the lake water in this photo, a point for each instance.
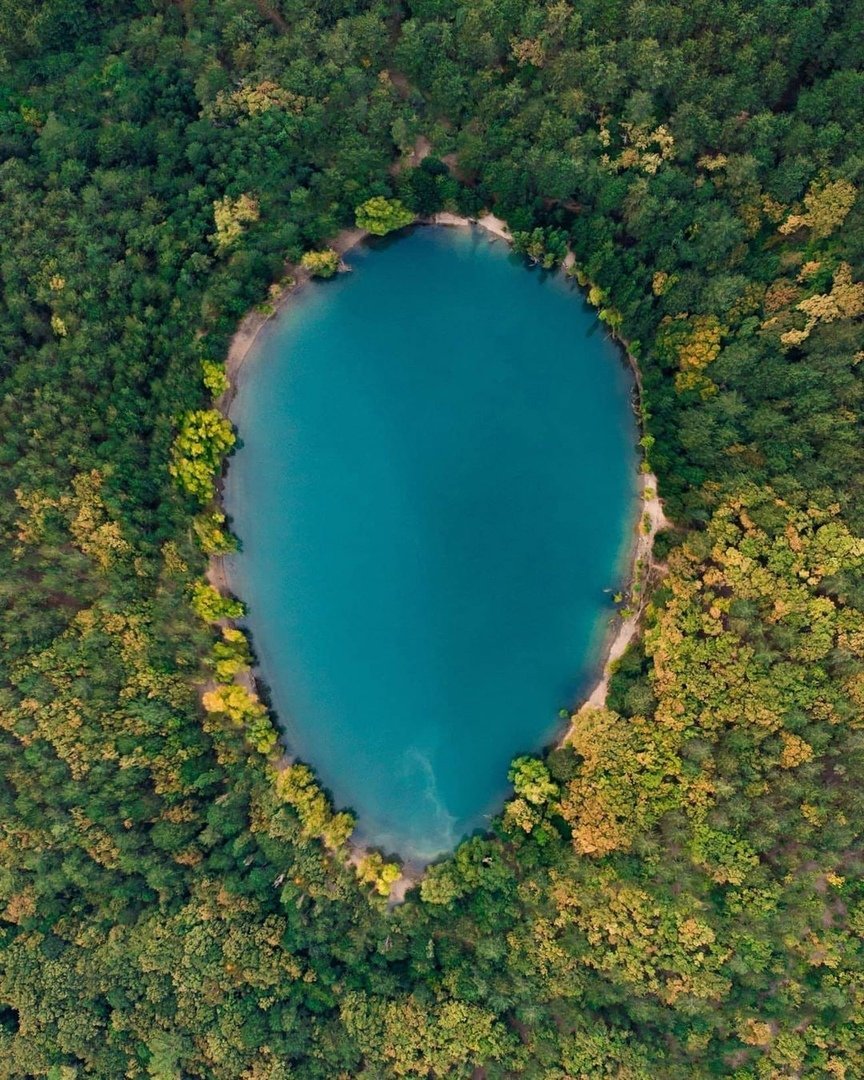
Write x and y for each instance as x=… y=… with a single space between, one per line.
x=435 y=494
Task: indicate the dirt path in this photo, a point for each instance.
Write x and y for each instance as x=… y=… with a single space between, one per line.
x=421 y=150
x=272 y=15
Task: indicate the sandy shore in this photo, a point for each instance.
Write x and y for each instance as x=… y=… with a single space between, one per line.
x=489 y=222
x=642 y=569
x=651 y=519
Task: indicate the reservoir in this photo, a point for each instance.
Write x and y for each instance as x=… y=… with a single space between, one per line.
x=435 y=495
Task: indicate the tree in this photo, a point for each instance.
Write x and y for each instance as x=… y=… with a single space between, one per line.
x=373 y=870
x=204 y=438
x=380 y=216
x=211 y=534
x=297 y=786
x=322 y=264
x=211 y=606
x=690 y=904
x=231 y=216
x=214 y=377
x=240 y=705
x=828 y=202
x=547 y=247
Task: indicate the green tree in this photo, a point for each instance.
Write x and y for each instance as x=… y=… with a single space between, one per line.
x=380 y=216
x=204 y=438
x=323 y=264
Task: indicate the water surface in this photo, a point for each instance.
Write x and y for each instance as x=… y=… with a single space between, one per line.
x=436 y=485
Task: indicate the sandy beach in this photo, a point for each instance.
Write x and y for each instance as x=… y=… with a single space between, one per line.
x=643 y=568
x=489 y=222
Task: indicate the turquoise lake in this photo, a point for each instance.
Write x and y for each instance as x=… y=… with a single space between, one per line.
x=435 y=494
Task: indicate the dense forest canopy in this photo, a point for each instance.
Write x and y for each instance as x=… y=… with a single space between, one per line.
x=675 y=892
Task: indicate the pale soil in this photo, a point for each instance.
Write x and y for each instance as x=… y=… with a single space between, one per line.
x=401 y=887
x=217 y=574
x=422 y=149
x=489 y=222
x=651 y=521
x=400 y=81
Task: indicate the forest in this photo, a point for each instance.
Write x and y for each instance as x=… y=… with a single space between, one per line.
x=675 y=892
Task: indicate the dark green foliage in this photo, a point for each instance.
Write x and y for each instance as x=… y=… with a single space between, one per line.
x=162 y=910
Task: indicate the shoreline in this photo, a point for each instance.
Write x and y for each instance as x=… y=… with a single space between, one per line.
x=246 y=335
x=251 y=325
x=642 y=567
x=254 y=321
x=650 y=520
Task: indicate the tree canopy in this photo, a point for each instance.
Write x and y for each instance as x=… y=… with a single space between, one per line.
x=677 y=889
